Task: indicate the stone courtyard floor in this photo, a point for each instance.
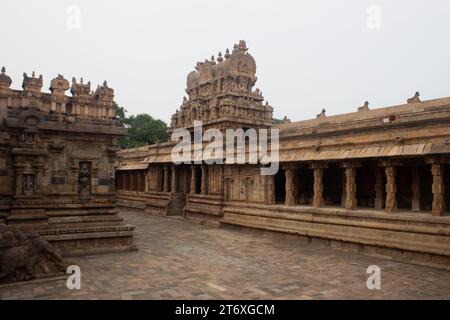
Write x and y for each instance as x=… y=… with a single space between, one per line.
x=178 y=259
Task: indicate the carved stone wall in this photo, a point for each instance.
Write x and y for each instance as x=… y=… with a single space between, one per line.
x=57 y=165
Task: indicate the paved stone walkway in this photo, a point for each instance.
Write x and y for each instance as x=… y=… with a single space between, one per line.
x=178 y=259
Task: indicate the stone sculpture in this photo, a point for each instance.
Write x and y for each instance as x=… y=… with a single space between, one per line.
x=26 y=256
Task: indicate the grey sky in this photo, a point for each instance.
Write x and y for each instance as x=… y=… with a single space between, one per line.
x=309 y=54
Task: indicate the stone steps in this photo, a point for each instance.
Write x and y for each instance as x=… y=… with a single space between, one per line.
x=176 y=204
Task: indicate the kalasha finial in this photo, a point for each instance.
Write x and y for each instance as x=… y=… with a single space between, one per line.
x=3 y=70
x=81 y=80
x=212 y=58
x=105 y=84
x=219 y=58
x=33 y=74
x=227 y=54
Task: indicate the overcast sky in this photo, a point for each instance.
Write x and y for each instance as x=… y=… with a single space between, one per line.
x=309 y=54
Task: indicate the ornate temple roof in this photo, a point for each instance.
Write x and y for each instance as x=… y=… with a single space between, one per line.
x=222 y=91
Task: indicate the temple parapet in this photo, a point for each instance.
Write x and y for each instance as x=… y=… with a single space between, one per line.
x=84 y=102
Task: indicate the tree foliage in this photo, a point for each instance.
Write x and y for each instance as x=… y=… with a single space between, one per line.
x=143 y=129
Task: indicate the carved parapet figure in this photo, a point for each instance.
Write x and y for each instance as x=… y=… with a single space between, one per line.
x=25 y=256
x=5 y=81
x=414 y=99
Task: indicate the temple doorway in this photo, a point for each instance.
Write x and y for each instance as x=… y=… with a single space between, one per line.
x=365 y=186
x=426 y=187
x=333 y=185
x=198 y=180
x=280 y=187
x=404 y=187
x=304 y=185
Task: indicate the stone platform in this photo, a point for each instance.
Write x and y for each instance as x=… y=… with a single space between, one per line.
x=405 y=236
x=178 y=259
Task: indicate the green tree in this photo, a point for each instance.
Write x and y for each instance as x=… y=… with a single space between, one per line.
x=120 y=113
x=143 y=129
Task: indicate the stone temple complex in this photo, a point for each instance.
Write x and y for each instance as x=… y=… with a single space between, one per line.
x=375 y=180
x=58 y=155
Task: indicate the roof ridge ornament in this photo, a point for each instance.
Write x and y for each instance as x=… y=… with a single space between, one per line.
x=414 y=99
x=365 y=107
x=322 y=114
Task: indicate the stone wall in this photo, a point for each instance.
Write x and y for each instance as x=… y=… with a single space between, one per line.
x=57 y=165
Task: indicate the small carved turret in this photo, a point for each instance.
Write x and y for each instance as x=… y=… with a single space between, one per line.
x=104 y=93
x=59 y=85
x=80 y=89
x=32 y=85
x=5 y=80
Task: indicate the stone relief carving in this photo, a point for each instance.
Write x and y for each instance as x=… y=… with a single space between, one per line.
x=28 y=186
x=84 y=178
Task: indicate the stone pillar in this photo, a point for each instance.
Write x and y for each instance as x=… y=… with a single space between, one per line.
x=350 y=188
x=344 y=191
x=437 y=170
x=138 y=178
x=415 y=188
x=269 y=189
x=173 y=185
x=379 y=188
x=290 y=187
x=318 y=187
x=166 y=179
x=204 y=188
x=193 y=174
x=131 y=173
x=391 y=188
